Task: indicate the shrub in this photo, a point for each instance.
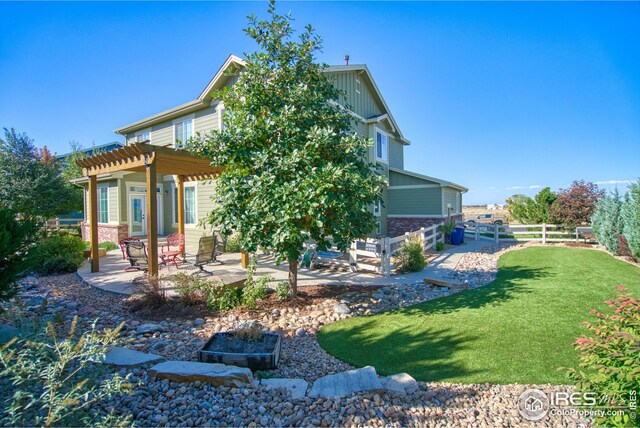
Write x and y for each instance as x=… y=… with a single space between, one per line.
x=57 y=254
x=410 y=256
x=631 y=219
x=233 y=243
x=575 y=206
x=227 y=297
x=189 y=288
x=439 y=246
x=254 y=289
x=153 y=293
x=17 y=238
x=609 y=357
x=606 y=221
x=282 y=290
x=108 y=245
x=447 y=229
x=48 y=380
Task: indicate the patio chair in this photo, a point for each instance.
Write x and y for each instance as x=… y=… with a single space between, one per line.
x=137 y=255
x=206 y=254
x=123 y=248
x=172 y=255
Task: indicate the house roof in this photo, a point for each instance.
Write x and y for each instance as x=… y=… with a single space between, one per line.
x=218 y=80
x=441 y=182
x=96 y=149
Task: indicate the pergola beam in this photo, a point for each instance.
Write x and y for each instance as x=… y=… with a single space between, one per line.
x=93 y=223
x=152 y=221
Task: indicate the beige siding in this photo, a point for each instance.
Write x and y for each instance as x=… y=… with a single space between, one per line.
x=451 y=196
x=162 y=134
x=205 y=120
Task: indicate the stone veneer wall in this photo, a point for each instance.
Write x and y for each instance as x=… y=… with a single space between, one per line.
x=107 y=232
x=397 y=226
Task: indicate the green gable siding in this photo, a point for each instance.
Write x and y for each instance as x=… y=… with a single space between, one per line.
x=205 y=120
x=396 y=154
x=417 y=201
x=399 y=179
x=362 y=103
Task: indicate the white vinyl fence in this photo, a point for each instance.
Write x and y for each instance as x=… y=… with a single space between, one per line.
x=374 y=255
x=527 y=232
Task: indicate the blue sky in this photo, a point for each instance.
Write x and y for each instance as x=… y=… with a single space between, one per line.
x=500 y=97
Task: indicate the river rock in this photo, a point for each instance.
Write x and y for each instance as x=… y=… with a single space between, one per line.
x=215 y=374
x=149 y=328
x=7 y=333
x=297 y=387
x=401 y=383
x=341 y=309
x=346 y=383
x=124 y=357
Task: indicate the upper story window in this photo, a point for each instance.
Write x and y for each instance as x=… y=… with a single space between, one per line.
x=382 y=149
x=377 y=208
x=182 y=131
x=141 y=136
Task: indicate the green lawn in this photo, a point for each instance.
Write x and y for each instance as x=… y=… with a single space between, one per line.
x=518 y=329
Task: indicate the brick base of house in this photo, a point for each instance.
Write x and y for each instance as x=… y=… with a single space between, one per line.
x=107 y=232
x=397 y=226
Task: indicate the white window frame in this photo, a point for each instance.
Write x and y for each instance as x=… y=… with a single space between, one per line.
x=385 y=148
x=142 y=135
x=377 y=209
x=100 y=188
x=182 y=120
x=174 y=203
x=378 y=228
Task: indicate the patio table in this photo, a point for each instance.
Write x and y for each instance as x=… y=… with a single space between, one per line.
x=170 y=257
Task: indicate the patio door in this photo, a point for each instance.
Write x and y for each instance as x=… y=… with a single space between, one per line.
x=138 y=210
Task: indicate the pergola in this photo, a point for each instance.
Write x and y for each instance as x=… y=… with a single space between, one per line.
x=143 y=157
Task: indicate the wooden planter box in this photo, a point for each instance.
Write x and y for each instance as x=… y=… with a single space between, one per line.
x=267 y=360
x=101 y=253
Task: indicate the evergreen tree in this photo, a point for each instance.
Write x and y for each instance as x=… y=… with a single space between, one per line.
x=606 y=221
x=631 y=219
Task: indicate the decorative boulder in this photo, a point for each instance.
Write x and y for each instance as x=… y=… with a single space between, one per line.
x=215 y=374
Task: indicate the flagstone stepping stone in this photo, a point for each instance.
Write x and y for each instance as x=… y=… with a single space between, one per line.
x=124 y=357
x=401 y=383
x=346 y=383
x=149 y=328
x=213 y=373
x=297 y=387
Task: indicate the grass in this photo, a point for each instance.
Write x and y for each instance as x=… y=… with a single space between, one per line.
x=518 y=329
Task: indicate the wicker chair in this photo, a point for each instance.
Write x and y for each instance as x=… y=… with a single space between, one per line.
x=123 y=246
x=137 y=255
x=206 y=254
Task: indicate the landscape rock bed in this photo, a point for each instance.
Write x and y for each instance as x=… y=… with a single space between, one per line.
x=162 y=402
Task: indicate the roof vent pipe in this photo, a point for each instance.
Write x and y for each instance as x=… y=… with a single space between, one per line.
x=346 y=60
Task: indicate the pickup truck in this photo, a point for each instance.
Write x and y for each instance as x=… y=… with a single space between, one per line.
x=486 y=219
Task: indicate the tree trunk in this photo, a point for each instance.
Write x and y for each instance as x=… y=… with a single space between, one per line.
x=293 y=277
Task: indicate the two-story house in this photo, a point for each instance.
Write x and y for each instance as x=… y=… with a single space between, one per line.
x=412 y=199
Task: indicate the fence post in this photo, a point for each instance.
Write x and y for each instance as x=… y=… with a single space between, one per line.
x=544 y=233
x=496 y=233
x=477 y=230
x=387 y=256
x=577 y=235
x=353 y=256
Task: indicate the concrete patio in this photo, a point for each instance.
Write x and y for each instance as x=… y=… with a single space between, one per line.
x=112 y=276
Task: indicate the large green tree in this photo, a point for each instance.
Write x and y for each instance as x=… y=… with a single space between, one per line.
x=607 y=221
x=30 y=181
x=631 y=219
x=531 y=211
x=294 y=169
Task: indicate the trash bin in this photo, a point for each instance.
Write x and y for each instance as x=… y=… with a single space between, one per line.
x=457 y=236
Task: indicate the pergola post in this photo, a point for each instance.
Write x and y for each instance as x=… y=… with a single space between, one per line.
x=180 y=202
x=93 y=223
x=152 y=218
